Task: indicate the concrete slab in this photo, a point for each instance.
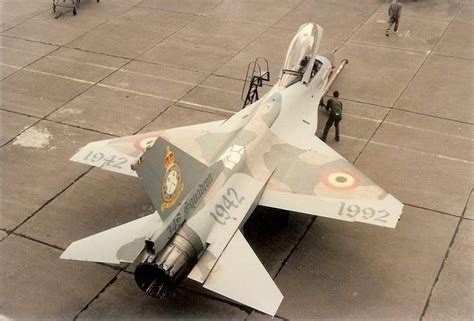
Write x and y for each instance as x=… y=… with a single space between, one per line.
x=271 y=242
x=261 y=12
x=457 y=42
x=78 y=64
x=452 y=294
x=9 y=21
x=13 y=124
x=365 y=272
x=177 y=55
x=376 y=75
x=430 y=9
x=418 y=178
x=6 y=71
x=44 y=28
x=14 y=12
x=442 y=88
x=177 y=116
x=366 y=4
x=215 y=33
x=110 y=111
x=159 y=81
x=38 y=94
x=140 y=29
x=276 y=38
x=3 y=235
x=91 y=14
x=187 y=6
x=98 y=201
x=466 y=14
x=36 y=167
x=88 y=58
x=125 y=2
x=339 y=22
x=469 y=213
x=359 y=123
x=417 y=34
x=32 y=268
x=19 y=53
x=434 y=136
x=43 y=32
x=217 y=94
x=124 y=299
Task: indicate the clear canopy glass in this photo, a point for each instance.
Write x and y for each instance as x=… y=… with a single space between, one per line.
x=299 y=54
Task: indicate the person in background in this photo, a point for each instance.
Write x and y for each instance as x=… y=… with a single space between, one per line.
x=394 y=11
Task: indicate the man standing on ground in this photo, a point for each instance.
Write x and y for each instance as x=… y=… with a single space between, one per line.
x=394 y=12
x=334 y=106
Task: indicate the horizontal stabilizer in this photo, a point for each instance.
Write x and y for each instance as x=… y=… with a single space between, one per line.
x=240 y=276
x=118 y=154
x=116 y=245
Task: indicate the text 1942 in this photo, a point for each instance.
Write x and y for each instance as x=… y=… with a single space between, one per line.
x=229 y=201
x=111 y=161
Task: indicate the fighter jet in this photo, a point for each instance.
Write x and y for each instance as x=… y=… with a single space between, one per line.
x=205 y=180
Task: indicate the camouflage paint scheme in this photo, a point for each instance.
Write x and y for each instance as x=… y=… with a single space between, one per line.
x=265 y=154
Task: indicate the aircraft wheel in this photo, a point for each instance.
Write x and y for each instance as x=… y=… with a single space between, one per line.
x=74 y=12
x=54 y=8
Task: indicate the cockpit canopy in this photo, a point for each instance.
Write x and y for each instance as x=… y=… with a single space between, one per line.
x=302 y=48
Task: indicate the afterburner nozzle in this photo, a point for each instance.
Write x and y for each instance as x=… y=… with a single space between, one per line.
x=155 y=275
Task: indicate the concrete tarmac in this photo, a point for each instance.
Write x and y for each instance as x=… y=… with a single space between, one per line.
x=121 y=67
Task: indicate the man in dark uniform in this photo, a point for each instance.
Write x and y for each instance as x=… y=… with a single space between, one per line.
x=394 y=12
x=334 y=107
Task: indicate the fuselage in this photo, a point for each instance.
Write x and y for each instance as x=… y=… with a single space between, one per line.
x=173 y=250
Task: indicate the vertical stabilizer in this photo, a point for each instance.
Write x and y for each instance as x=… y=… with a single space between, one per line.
x=168 y=174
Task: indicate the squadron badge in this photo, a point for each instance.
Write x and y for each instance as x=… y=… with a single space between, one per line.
x=172 y=183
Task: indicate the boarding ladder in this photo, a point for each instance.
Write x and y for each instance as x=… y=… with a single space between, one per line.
x=254 y=79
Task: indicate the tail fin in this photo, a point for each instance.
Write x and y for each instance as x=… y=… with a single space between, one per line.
x=168 y=175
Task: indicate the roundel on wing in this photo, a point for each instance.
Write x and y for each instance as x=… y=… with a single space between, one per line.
x=343 y=180
x=144 y=142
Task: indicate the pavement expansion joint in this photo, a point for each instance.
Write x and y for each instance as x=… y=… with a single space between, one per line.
x=244 y=308
x=452 y=57
x=52 y=198
x=432 y=116
x=431 y=210
x=293 y=249
x=390 y=47
x=84 y=128
x=97 y=295
x=441 y=268
x=38 y=241
x=446 y=256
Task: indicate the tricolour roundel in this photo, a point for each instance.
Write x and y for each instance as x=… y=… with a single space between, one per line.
x=143 y=143
x=341 y=180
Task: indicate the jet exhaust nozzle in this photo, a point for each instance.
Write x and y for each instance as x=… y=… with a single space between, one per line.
x=156 y=275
